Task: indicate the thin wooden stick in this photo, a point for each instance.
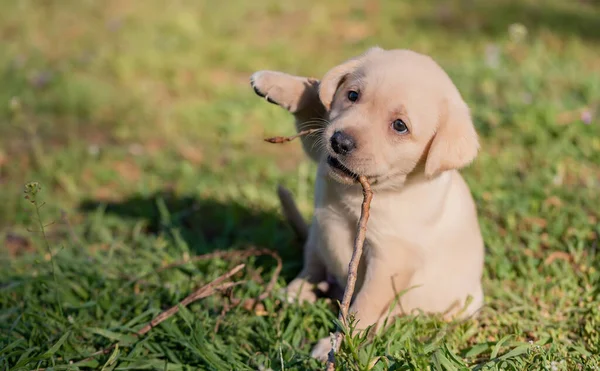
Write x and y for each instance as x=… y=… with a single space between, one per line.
x=251 y=303
x=224 y=311
x=356 y=254
x=289 y=139
x=248 y=303
x=274 y=277
x=352 y=268
x=202 y=292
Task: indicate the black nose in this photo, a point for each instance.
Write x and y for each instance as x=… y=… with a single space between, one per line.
x=342 y=143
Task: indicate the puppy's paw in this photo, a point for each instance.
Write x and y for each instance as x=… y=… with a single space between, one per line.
x=281 y=88
x=321 y=350
x=301 y=291
x=264 y=85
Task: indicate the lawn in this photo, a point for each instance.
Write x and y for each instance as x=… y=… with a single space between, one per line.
x=137 y=121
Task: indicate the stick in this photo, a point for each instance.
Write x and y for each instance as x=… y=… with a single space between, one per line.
x=248 y=303
x=352 y=268
x=356 y=255
x=251 y=303
x=274 y=277
x=224 y=311
x=202 y=292
x=289 y=139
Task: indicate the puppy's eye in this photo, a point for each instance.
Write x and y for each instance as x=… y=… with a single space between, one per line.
x=352 y=96
x=400 y=126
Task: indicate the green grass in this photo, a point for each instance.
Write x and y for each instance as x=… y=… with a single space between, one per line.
x=138 y=121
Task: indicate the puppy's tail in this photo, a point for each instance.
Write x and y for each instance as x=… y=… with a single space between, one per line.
x=291 y=213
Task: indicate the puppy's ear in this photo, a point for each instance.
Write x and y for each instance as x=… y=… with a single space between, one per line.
x=335 y=77
x=455 y=144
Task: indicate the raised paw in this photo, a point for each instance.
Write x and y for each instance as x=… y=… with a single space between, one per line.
x=260 y=83
x=282 y=89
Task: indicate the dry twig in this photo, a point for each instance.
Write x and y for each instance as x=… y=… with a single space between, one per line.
x=210 y=288
x=356 y=254
x=248 y=303
x=224 y=310
x=289 y=139
x=251 y=303
x=202 y=292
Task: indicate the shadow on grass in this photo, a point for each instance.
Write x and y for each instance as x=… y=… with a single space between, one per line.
x=494 y=18
x=208 y=225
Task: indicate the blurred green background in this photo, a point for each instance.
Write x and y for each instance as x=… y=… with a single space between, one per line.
x=138 y=121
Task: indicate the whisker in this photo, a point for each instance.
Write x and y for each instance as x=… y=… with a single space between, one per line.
x=316 y=120
x=316 y=143
x=320 y=144
x=311 y=123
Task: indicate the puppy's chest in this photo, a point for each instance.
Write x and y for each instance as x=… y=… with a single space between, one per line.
x=385 y=218
x=338 y=222
x=390 y=219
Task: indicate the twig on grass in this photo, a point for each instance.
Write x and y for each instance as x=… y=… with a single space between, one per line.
x=210 y=288
x=352 y=268
x=248 y=303
x=224 y=310
x=251 y=304
x=202 y=292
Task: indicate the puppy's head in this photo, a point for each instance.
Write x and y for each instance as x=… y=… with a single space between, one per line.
x=393 y=113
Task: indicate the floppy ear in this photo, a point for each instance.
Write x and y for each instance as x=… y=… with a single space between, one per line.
x=334 y=77
x=455 y=144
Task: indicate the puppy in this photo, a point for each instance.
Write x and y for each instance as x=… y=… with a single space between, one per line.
x=396 y=117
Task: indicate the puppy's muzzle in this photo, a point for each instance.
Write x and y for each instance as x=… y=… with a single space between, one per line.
x=342 y=143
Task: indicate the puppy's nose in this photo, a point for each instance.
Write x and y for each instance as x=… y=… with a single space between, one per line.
x=342 y=143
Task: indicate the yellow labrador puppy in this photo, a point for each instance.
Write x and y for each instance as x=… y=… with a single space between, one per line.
x=396 y=117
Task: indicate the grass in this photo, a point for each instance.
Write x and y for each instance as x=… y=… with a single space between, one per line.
x=138 y=122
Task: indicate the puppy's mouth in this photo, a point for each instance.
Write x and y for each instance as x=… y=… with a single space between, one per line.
x=340 y=171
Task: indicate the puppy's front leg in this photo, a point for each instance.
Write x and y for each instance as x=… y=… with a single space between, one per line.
x=300 y=96
x=296 y=94
x=382 y=284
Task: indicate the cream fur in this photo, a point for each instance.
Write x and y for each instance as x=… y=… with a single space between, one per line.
x=423 y=235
